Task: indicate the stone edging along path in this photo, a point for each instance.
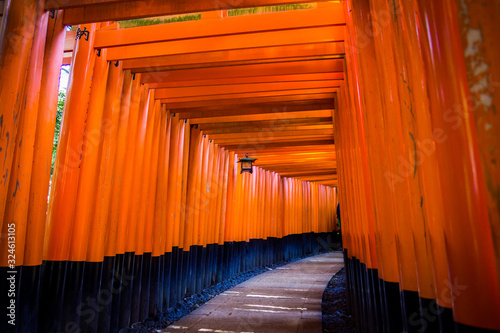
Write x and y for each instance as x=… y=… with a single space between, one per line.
x=283 y=299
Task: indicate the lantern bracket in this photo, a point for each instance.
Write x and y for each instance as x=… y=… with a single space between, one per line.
x=244 y=164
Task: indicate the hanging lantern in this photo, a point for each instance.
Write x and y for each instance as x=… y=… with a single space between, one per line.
x=247 y=164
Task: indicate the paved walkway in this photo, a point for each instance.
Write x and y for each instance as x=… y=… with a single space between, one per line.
x=285 y=299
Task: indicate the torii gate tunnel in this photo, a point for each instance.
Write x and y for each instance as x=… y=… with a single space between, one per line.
x=389 y=108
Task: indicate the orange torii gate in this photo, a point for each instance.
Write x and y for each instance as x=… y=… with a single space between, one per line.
x=391 y=103
x=120 y=204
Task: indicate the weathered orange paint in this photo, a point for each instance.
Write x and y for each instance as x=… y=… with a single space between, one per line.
x=16 y=209
x=150 y=191
x=16 y=39
x=160 y=226
x=125 y=193
x=142 y=172
x=121 y=86
x=479 y=29
x=44 y=140
x=68 y=159
x=179 y=172
x=84 y=217
x=173 y=180
x=134 y=225
x=465 y=204
x=363 y=77
x=185 y=169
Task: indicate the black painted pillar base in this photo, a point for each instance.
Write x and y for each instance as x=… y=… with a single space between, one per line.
x=392 y=307
x=220 y=263
x=193 y=252
x=145 y=286
x=89 y=319
x=180 y=270
x=174 y=270
x=461 y=328
x=429 y=316
x=51 y=293
x=155 y=304
x=28 y=305
x=227 y=261
x=136 y=290
x=200 y=267
x=105 y=298
x=411 y=311
x=186 y=272
x=126 y=290
x=167 y=304
x=376 y=313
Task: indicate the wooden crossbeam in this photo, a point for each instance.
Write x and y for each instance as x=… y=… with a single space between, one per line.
x=299 y=167
x=231 y=42
x=289 y=160
x=319 y=178
x=273 y=152
x=246 y=71
x=234 y=57
x=248 y=147
x=292 y=156
x=149 y=8
x=269 y=129
x=271 y=135
x=242 y=89
x=260 y=117
x=273 y=139
x=262 y=97
x=250 y=125
x=310 y=167
x=253 y=109
x=299 y=174
x=302 y=153
x=229 y=82
x=262 y=114
x=67 y=4
x=239 y=25
x=236 y=102
x=304 y=148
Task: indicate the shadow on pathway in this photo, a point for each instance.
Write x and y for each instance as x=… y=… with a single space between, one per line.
x=285 y=299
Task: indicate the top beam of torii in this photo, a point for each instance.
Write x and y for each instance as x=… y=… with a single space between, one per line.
x=87 y=11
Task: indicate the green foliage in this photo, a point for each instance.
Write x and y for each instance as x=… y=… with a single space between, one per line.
x=267 y=9
x=60 y=108
x=159 y=20
x=194 y=17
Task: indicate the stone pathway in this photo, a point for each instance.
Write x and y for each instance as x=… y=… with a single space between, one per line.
x=285 y=299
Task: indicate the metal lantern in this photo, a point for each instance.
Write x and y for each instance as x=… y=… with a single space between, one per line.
x=247 y=164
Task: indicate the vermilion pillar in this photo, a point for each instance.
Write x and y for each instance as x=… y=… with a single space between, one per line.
x=44 y=140
x=479 y=28
x=16 y=40
x=461 y=174
x=68 y=160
